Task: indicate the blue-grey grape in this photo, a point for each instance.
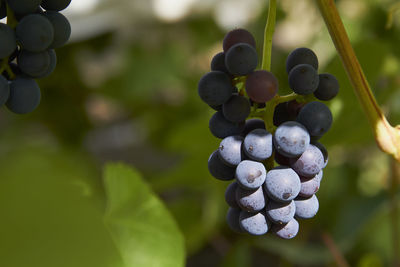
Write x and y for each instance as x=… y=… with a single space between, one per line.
x=310 y=186
x=230 y=150
x=62 y=28
x=35 y=33
x=306 y=208
x=238 y=36
x=301 y=56
x=254 y=223
x=291 y=139
x=241 y=59
x=250 y=174
x=250 y=200
x=7 y=40
x=303 y=79
x=328 y=87
x=230 y=195
x=282 y=184
x=258 y=144
x=221 y=127
x=4 y=90
x=232 y=219
x=56 y=5
x=218 y=169
x=236 y=109
x=309 y=163
x=34 y=64
x=280 y=213
x=24 y=95
x=286 y=231
x=215 y=88
x=316 y=117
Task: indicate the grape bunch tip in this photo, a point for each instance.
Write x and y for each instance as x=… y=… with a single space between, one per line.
x=265 y=198
x=34 y=29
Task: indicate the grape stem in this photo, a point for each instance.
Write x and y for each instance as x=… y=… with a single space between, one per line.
x=386 y=136
x=268 y=33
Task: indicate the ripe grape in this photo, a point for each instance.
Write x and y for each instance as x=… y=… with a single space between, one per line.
x=303 y=79
x=241 y=59
x=301 y=56
x=282 y=184
x=250 y=174
x=238 y=36
x=261 y=86
x=215 y=88
x=291 y=139
x=258 y=144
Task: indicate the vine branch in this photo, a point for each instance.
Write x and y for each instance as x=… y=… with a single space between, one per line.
x=386 y=136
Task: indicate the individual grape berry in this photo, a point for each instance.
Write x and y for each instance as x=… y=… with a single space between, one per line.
x=236 y=109
x=286 y=231
x=291 y=139
x=62 y=28
x=310 y=186
x=316 y=117
x=252 y=124
x=230 y=195
x=218 y=63
x=238 y=36
x=282 y=184
x=261 y=86
x=221 y=127
x=281 y=114
x=56 y=5
x=250 y=175
x=258 y=144
x=218 y=169
x=24 y=95
x=8 y=41
x=23 y=7
x=35 y=33
x=233 y=218
x=4 y=90
x=250 y=200
x=34 y=64
x=280 y=213
x=241 y=59
x=280 y=159
x=254 y=224
x=230 y=150
x=215 y=88
x=301 y=56
x=328 y=87
x=309 y=163
x=324 y=151
x=306 y=208
x=303 y=79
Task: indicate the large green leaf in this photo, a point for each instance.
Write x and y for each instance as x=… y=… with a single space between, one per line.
x=143 y=229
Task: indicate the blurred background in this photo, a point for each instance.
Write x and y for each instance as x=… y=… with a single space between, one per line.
x=125 y=90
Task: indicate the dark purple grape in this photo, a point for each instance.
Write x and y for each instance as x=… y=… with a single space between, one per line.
x=238 y=36
x=215 y=88
x=309 y=163
x=301 y=56
x=316 y=117
x=221 y=127
x=241 y=59
x=303 y=79
x=261 y=86
x=218 y=169
x=328 y=87
x=236 y=109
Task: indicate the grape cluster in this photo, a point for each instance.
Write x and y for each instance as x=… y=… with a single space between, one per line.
x=34 y=29
x=276 y=172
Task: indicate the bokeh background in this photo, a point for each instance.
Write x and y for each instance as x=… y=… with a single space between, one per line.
x=125 y=90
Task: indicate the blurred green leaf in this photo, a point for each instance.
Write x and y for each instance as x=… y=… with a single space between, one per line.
x=143 y=229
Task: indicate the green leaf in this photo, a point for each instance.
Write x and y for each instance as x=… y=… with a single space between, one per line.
x=143 y=229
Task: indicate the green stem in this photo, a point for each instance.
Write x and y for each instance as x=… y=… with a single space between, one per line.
x=268 y=33
x=386 y=136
